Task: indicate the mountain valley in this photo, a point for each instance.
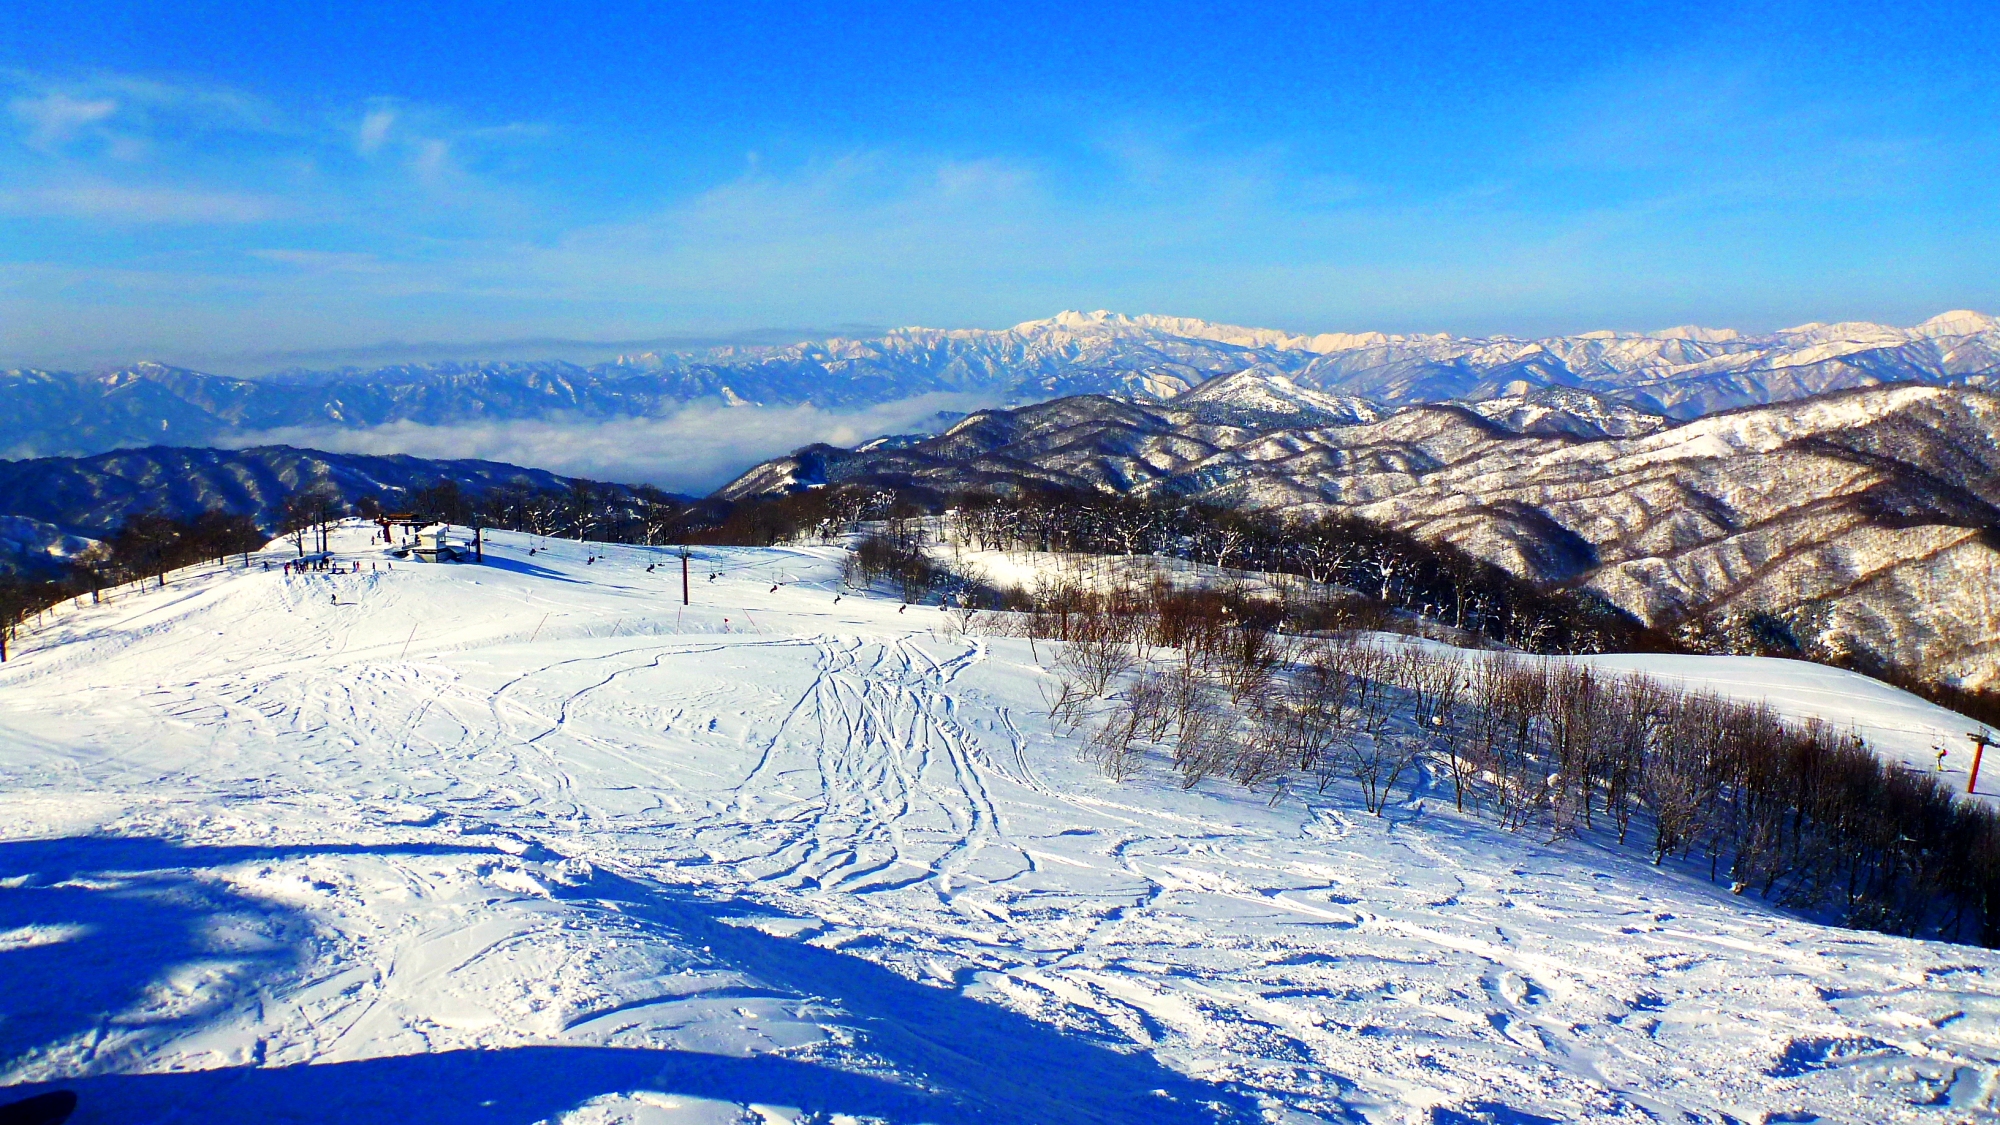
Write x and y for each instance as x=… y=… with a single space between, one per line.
x=1848 y=520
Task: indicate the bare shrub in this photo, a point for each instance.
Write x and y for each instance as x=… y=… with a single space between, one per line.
x=1201 y=740
x=1063 y=700
x=1313 y=709
x=1151 y=699
x=1377 y=763
x=1112 y=744
x=1096 y=654
x=1247 y=662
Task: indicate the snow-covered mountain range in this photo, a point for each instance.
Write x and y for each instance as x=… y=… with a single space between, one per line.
x=1680 y=372
x=1865 y=521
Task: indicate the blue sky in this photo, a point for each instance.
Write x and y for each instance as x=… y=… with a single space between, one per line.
x=239 y=184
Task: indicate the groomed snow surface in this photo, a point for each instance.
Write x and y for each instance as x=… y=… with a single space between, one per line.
x=529 y=842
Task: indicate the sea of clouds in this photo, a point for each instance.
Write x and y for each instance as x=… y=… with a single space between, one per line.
x=694 y=450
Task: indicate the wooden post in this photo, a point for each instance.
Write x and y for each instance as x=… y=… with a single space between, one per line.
x=1980 y=741
x=684 y=576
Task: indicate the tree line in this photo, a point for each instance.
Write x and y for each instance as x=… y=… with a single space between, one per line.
x=1434 y=581
x=1798 y=814
x=145 y=547
x=1392 y=578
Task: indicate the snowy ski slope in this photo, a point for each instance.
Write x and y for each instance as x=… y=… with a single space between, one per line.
x=529 y=842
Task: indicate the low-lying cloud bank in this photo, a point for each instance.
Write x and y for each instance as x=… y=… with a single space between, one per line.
x=697 y=449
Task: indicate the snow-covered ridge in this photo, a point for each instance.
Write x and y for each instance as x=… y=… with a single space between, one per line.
x=1860 y=519
x=1275 y=396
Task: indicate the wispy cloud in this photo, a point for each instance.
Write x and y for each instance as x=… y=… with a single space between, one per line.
x=119 y=203
x=125 y=114
x=53 y=118
x=346 y=261
x=373 y=132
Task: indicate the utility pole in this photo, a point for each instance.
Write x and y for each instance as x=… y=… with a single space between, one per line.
x=684 y=576
x=1981 y=739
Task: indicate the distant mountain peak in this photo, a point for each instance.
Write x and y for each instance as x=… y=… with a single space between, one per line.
x=1698 y=333
x=1272 y=395
x=1958 y=322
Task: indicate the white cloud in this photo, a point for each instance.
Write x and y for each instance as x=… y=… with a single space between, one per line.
x=126 y=115
x=374 y=131
x=54 y=118
x=696 y=450
x=432 y=162
x=140 y=204
x=323 y=260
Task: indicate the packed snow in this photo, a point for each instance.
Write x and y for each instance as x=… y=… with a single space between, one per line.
x=531 y=842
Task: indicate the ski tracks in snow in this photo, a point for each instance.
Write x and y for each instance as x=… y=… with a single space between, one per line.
x=869 y=783
x=900 y=790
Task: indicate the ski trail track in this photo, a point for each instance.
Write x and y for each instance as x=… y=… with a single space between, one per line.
x=613 y=835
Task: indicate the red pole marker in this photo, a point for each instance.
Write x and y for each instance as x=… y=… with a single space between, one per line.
x=1980 y=740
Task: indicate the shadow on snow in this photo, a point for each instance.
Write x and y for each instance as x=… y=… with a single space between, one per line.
x=140 y=909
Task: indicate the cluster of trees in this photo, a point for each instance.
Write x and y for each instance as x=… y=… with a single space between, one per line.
x=584 y=510
x=1384 y=569
x=148 y=545
x=1434 y=581
x=902 y=562
x=1798 y=814
x=145 y=547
